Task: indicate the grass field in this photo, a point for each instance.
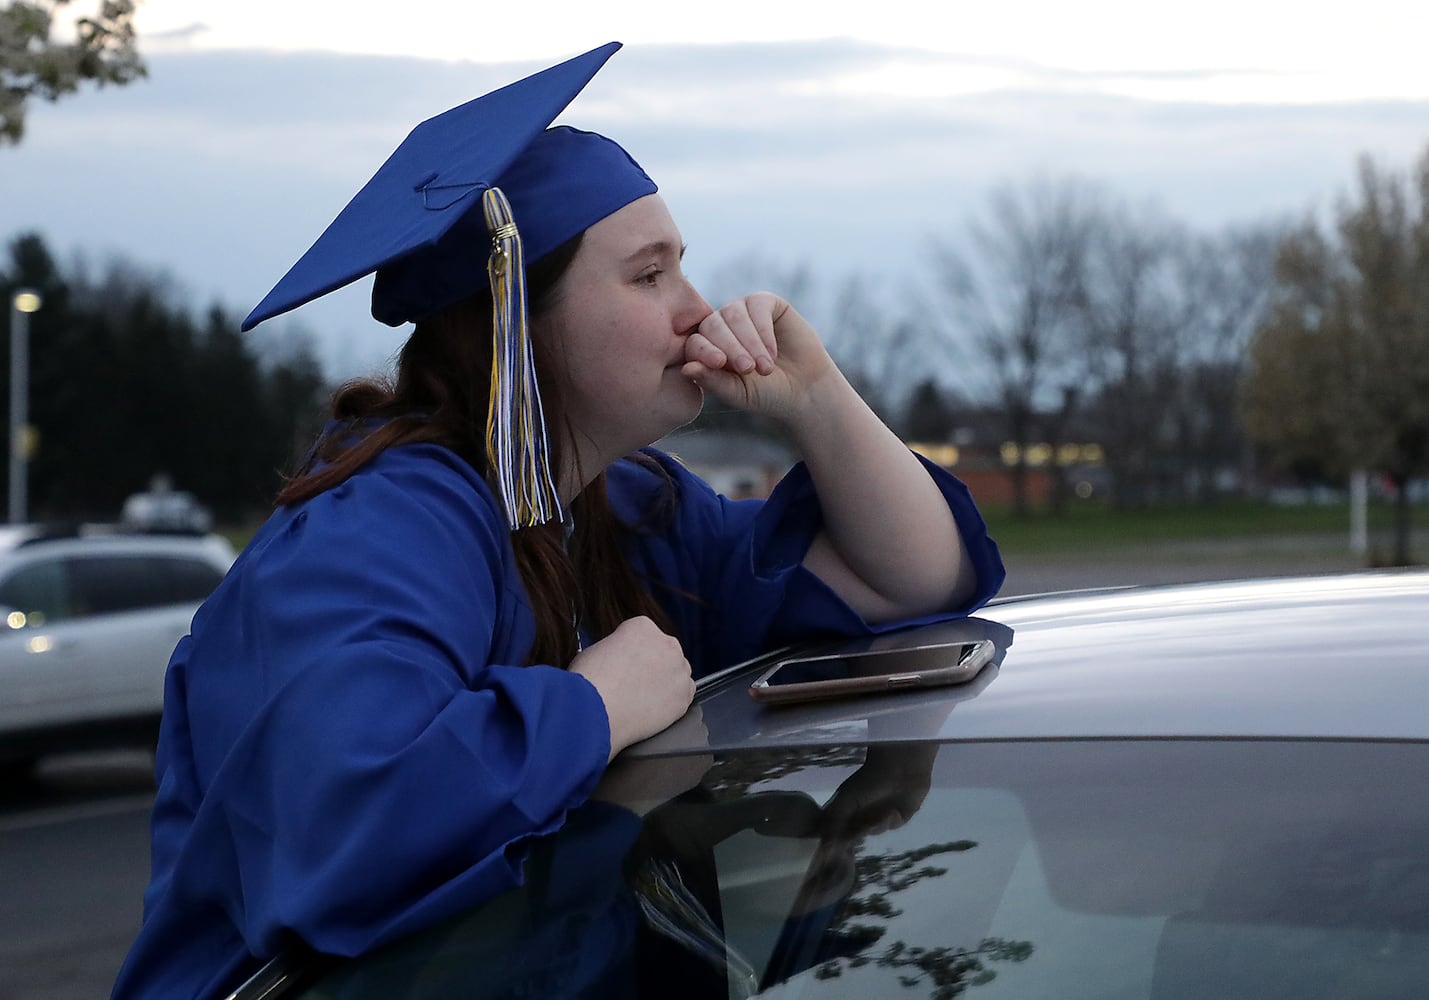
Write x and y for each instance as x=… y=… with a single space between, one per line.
x=1092 y=527
x=1094 y=546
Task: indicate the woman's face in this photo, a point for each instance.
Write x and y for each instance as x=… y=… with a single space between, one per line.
x=618 y=324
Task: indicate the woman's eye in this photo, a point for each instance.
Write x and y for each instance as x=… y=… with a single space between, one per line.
x=649 y=277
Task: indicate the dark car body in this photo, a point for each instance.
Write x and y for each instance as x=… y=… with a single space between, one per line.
x=1201 y=791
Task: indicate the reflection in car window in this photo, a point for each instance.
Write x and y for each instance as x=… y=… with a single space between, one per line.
x=1158 y=869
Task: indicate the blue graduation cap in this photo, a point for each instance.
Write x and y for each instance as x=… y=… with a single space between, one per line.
x=461 y=205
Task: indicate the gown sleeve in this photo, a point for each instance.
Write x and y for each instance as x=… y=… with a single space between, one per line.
x=363 y=757
x=731 y=574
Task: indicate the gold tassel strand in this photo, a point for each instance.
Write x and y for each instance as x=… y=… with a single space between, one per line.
x=517 y=450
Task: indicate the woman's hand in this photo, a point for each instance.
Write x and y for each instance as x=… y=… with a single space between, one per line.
x=642 y=676
x=757 y=353
x=890 y=546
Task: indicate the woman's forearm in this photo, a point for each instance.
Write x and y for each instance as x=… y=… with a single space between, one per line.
x=890 y=545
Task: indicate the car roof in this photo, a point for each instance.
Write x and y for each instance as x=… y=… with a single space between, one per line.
x=1337 y=657
x=28 y=542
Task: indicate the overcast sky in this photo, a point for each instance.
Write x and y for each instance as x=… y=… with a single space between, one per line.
x=842 y=140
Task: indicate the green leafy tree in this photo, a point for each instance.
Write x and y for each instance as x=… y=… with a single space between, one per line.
x=1339 y=373
x=34 y=63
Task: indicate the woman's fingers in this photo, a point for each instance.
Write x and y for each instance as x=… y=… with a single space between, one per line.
x=752 y=321
x=723 y=332
x=735 y=354
x=769 y=309
x=699 y=347
x=641 y=675
x=743 y=331
x=724 y=384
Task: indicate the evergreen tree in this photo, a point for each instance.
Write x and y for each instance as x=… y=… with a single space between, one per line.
x=125 y=386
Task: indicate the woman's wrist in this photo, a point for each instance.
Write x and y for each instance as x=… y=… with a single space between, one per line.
x=823 y=412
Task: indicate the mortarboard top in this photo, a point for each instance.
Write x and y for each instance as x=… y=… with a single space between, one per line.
x=563 y=183
x=465 y=200
x=418 y=222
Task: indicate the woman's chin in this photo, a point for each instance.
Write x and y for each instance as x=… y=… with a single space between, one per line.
x=698 y=402
x=683 y=412
x=689 y=401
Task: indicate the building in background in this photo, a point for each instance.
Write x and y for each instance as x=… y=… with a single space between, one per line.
x=739 y=465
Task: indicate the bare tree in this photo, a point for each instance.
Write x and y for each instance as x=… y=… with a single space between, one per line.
x=1226 y=282
x=35 y=64
x=881 y=351
x=1340 y=370
x=753 y=271
x=1014 y=299
x=1134 y=312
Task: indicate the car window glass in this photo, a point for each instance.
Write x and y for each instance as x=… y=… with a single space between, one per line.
x=1164 y=870
x=190 y=579
x=106 y=584
x=39 y=590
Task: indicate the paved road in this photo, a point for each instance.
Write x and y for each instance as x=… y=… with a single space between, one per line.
x=73 y=850
x=73 y=864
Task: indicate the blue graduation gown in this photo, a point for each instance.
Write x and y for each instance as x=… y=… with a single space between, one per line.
x=351 y=748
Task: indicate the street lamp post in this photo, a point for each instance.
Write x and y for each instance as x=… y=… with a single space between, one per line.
x=22 y=303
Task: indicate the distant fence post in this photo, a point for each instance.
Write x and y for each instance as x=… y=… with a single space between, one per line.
x=1359 y=512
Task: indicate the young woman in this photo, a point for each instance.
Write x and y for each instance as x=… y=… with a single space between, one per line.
x=394 y=691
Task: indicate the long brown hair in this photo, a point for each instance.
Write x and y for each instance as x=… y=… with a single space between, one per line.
x=440 y=395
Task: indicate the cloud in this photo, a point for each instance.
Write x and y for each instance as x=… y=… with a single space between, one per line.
x=223 y=167
x=171 y=37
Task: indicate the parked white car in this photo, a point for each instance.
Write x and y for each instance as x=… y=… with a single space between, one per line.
x=87 y=623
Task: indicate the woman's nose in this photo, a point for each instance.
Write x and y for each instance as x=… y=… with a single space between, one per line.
x=693 y=311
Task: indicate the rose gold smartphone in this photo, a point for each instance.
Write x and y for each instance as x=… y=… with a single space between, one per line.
x=837 y=675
